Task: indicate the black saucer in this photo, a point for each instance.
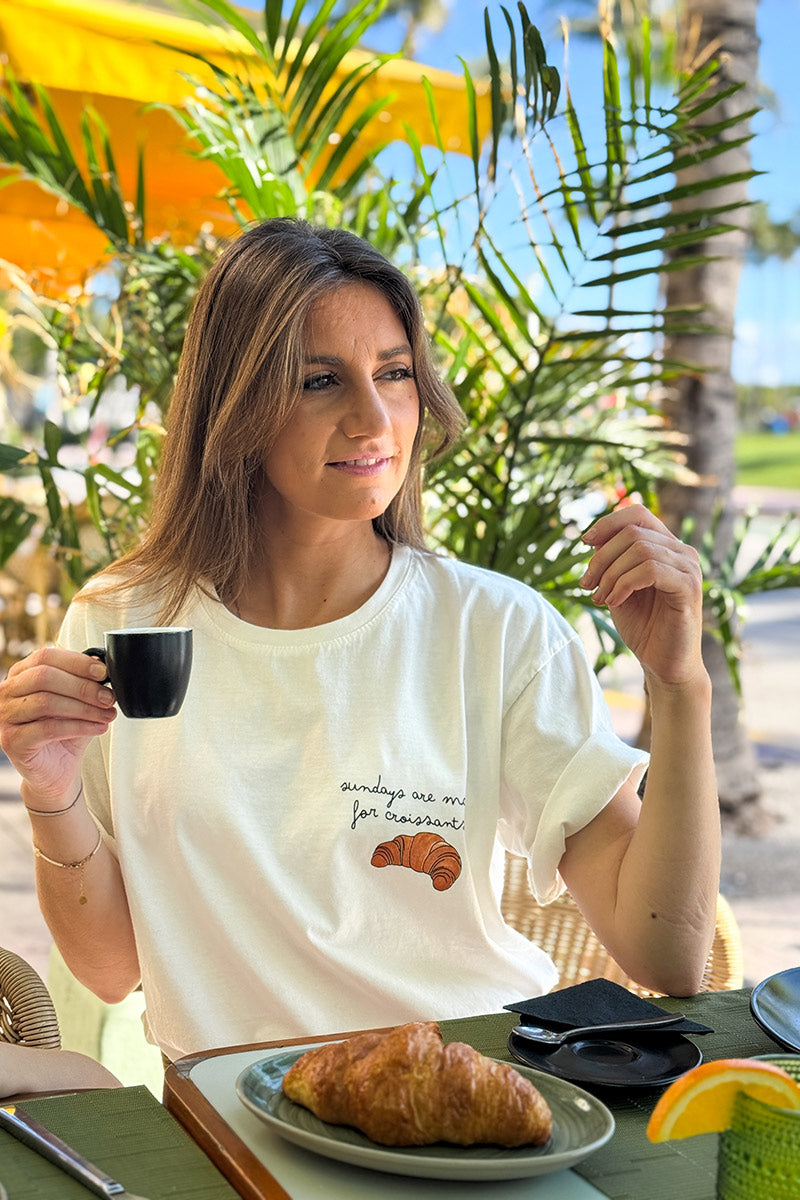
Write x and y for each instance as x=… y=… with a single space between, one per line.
x=626 y=1061
x=775 y=1004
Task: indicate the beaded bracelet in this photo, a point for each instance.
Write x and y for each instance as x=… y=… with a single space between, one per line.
x=56 y=812
x=71 y=866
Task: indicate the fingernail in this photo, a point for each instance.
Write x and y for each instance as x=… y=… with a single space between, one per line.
x=97 y=670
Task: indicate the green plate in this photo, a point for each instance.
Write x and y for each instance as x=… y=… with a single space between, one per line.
x=581 y=1125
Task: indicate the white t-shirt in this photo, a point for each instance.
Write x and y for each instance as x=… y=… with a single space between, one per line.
x=455 y=702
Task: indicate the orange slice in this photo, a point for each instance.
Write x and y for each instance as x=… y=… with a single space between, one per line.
x=701 y=1101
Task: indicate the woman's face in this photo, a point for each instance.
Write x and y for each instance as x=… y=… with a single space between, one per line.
x=344 y=453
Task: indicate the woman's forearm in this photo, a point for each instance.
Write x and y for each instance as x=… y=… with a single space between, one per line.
x=669 y=875
x=82 y=898
x=30 y=1069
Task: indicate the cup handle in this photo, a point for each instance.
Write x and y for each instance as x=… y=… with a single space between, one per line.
x=98 y=652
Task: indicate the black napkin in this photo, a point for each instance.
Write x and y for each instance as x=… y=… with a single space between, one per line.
x=595 y=1002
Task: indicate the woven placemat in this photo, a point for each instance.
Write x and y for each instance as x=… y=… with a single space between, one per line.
x=127 y=1133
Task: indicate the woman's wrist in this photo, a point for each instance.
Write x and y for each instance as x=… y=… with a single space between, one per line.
x=38 y=803
x=695 y=689
x=54 y=812
x=63 y=830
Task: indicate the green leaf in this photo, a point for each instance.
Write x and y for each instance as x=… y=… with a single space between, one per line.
x=615 y=149
x=692 y=159
x=233 y=17
x=141 y=191
x=290 y=29
x=53 y=438
x=319 y=72
x=327 y=119
x=273 y=13
x=671 y=241
x=297 y=66
x=16 y=523
x=684 y=191
x=346 y=144
x=12 y=457
x=687 y=217
x=645 y=62
x=430 y=100
x=512 y=58
x=472 y=124
x=579 y=148
x=496 y=92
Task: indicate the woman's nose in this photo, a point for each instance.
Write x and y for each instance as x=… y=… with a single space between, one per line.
x=367 y=414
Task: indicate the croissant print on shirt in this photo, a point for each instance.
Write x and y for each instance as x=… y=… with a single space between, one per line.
x=425 y=852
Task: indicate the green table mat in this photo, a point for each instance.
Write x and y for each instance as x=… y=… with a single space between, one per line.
x=127 y=1133
x=630 y=1167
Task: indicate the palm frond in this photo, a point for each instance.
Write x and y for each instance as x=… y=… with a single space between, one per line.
x=38 y=148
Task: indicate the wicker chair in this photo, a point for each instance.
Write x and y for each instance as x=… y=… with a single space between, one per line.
x=27 y=1014
x=560 y=929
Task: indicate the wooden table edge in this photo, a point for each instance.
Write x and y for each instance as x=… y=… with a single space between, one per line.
x=229 y=1154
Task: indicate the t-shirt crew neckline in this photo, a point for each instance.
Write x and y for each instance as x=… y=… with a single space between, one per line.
x=236 y=629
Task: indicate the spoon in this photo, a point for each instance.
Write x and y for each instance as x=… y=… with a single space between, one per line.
x=548 y=1037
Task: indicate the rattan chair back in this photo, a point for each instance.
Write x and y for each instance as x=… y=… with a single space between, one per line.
x=27 y=1013
x=560 y=930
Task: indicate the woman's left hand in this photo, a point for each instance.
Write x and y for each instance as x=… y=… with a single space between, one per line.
x=652 y=585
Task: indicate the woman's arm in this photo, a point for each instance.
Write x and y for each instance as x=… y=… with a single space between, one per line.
x=29 y=1069
x=646 y=874
x=51 y=705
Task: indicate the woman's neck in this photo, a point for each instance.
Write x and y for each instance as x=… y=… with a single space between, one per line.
x=297 y=585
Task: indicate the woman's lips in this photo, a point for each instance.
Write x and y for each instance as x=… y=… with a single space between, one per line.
x=361 y=466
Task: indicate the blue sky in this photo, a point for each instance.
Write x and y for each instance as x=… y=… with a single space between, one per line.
x=767 y=339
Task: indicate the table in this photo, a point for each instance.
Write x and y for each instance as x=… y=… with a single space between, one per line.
x=199 y=1092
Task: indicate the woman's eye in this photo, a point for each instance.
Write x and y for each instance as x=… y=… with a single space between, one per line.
x=318 y=383
x=399 y=373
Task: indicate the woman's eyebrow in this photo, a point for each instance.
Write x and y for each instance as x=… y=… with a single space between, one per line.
x=384 y=356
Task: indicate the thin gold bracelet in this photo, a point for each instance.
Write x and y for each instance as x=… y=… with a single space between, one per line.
x=73 y=866
x=57 y=812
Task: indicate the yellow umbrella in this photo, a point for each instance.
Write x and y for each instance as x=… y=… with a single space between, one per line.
x=106 y=54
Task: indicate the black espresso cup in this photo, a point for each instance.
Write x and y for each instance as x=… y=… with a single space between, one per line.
x=148 y=669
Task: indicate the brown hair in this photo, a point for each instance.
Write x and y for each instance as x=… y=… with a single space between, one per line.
x=239 y=379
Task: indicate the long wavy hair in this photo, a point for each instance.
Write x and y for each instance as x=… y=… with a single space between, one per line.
x=239 y=380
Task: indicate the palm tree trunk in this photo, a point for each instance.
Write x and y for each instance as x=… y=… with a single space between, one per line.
x=702 y=405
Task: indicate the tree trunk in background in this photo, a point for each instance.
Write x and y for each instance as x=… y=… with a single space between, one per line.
x=703 y=406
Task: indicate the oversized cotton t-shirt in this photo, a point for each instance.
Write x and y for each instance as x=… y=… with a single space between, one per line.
x=310 y=845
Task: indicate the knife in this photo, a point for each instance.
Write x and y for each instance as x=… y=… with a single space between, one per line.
x=27 y=1130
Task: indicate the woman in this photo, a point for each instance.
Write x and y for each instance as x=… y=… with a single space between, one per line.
x=25 y=1070
x=350 y=689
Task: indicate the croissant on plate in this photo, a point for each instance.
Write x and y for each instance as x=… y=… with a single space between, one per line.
x=426 y=852
x=406 y=1088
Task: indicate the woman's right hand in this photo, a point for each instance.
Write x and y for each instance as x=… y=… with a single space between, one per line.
x=52 y=704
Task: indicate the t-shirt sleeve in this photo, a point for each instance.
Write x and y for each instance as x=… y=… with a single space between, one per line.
x=562 y=763
x=81 y=629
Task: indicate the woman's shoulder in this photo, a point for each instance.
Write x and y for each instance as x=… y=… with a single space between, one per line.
x=494 y=614
x=112 y=601
x=480 y=584
x=489 y=598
